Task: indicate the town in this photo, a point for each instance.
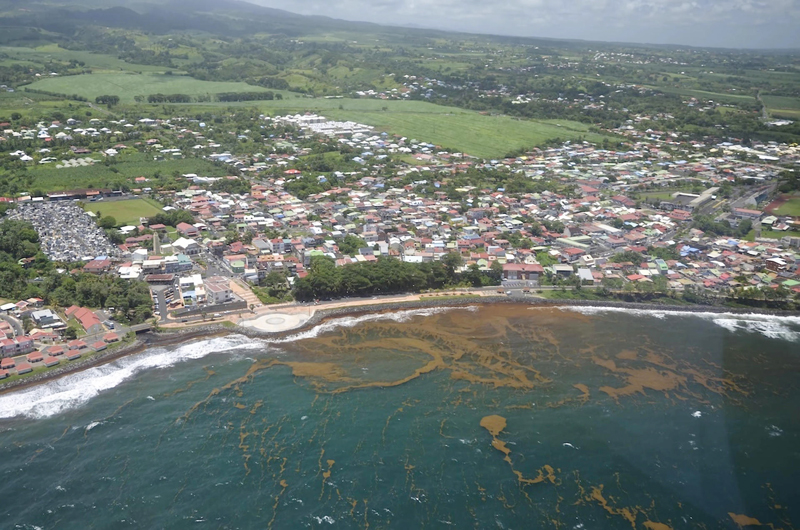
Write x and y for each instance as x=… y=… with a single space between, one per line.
x=304 y=209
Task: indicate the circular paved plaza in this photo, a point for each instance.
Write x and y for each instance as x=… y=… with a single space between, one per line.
x=275 y=322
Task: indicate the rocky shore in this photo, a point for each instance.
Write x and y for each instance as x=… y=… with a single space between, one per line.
x=152 y=340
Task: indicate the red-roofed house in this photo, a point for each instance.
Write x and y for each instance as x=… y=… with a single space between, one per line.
x=24 y=368
x=35 y=357
x=51 y=361
x=522 y=271
x=187 y=230
x=88 y=320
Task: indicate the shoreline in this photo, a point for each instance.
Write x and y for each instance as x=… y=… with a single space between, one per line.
x=320 y=315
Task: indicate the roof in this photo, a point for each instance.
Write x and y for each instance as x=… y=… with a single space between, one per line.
x=523 y=267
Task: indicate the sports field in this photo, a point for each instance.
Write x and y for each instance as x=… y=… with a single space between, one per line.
x=772 y=234
x=785 y=205
x=125 y=212
x=129 y=85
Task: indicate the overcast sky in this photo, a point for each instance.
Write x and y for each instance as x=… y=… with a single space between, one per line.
x=723 y=23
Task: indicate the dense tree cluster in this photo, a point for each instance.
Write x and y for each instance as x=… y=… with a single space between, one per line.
x=107 y=100
x=26 y=272
x=707 y=224
x=385 y=276
x=226 y=97
x=171 y=218
x=169 y=98
x=232 y=185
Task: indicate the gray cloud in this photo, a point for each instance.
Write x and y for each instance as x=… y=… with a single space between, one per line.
x=722 y=23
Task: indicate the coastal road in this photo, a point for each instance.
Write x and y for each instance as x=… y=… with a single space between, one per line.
x=16 y=324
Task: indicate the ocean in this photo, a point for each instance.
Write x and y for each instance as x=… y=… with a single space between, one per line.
x=504 y=416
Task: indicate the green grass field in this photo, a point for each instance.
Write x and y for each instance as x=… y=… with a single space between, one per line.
x=125 y=212
x=771 y=234
x=790 y=207
x=49 y=178
x=451 y=127
x=704 y=95
x=782 y=106
x=94 y=61
x=128 y=85
x=472 y=133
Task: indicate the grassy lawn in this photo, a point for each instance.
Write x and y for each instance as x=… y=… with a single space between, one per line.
x=125 y=212
x=129 y=85
x=790 y=207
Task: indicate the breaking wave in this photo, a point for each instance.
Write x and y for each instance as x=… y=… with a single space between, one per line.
x=772 y=326
x=76 y=389
x=349 y=322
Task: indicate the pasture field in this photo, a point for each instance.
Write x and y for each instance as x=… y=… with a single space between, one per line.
x=128 y=85
x=125 y=212
x=451 y=127
x=470 y=132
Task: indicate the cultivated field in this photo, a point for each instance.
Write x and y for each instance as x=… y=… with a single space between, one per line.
x=125 y=212
x=783 y=106
x=128 y=85
x=97 y=62
x=49 y=178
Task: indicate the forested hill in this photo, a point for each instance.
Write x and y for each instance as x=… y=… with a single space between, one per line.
x=231 y=18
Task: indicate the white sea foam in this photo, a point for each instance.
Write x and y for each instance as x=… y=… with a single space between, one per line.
x=349 y=322
x=774 y=430
x=76 y=389
x=771 y=326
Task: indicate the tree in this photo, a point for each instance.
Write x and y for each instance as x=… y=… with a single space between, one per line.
x=545 y=259
x=453 y=260
x=107 y=222
x=627 y=256
x=351 y=244
x=107 y=100
x=71 y=333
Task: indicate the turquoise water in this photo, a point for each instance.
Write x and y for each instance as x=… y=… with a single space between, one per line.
x=492 y=417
